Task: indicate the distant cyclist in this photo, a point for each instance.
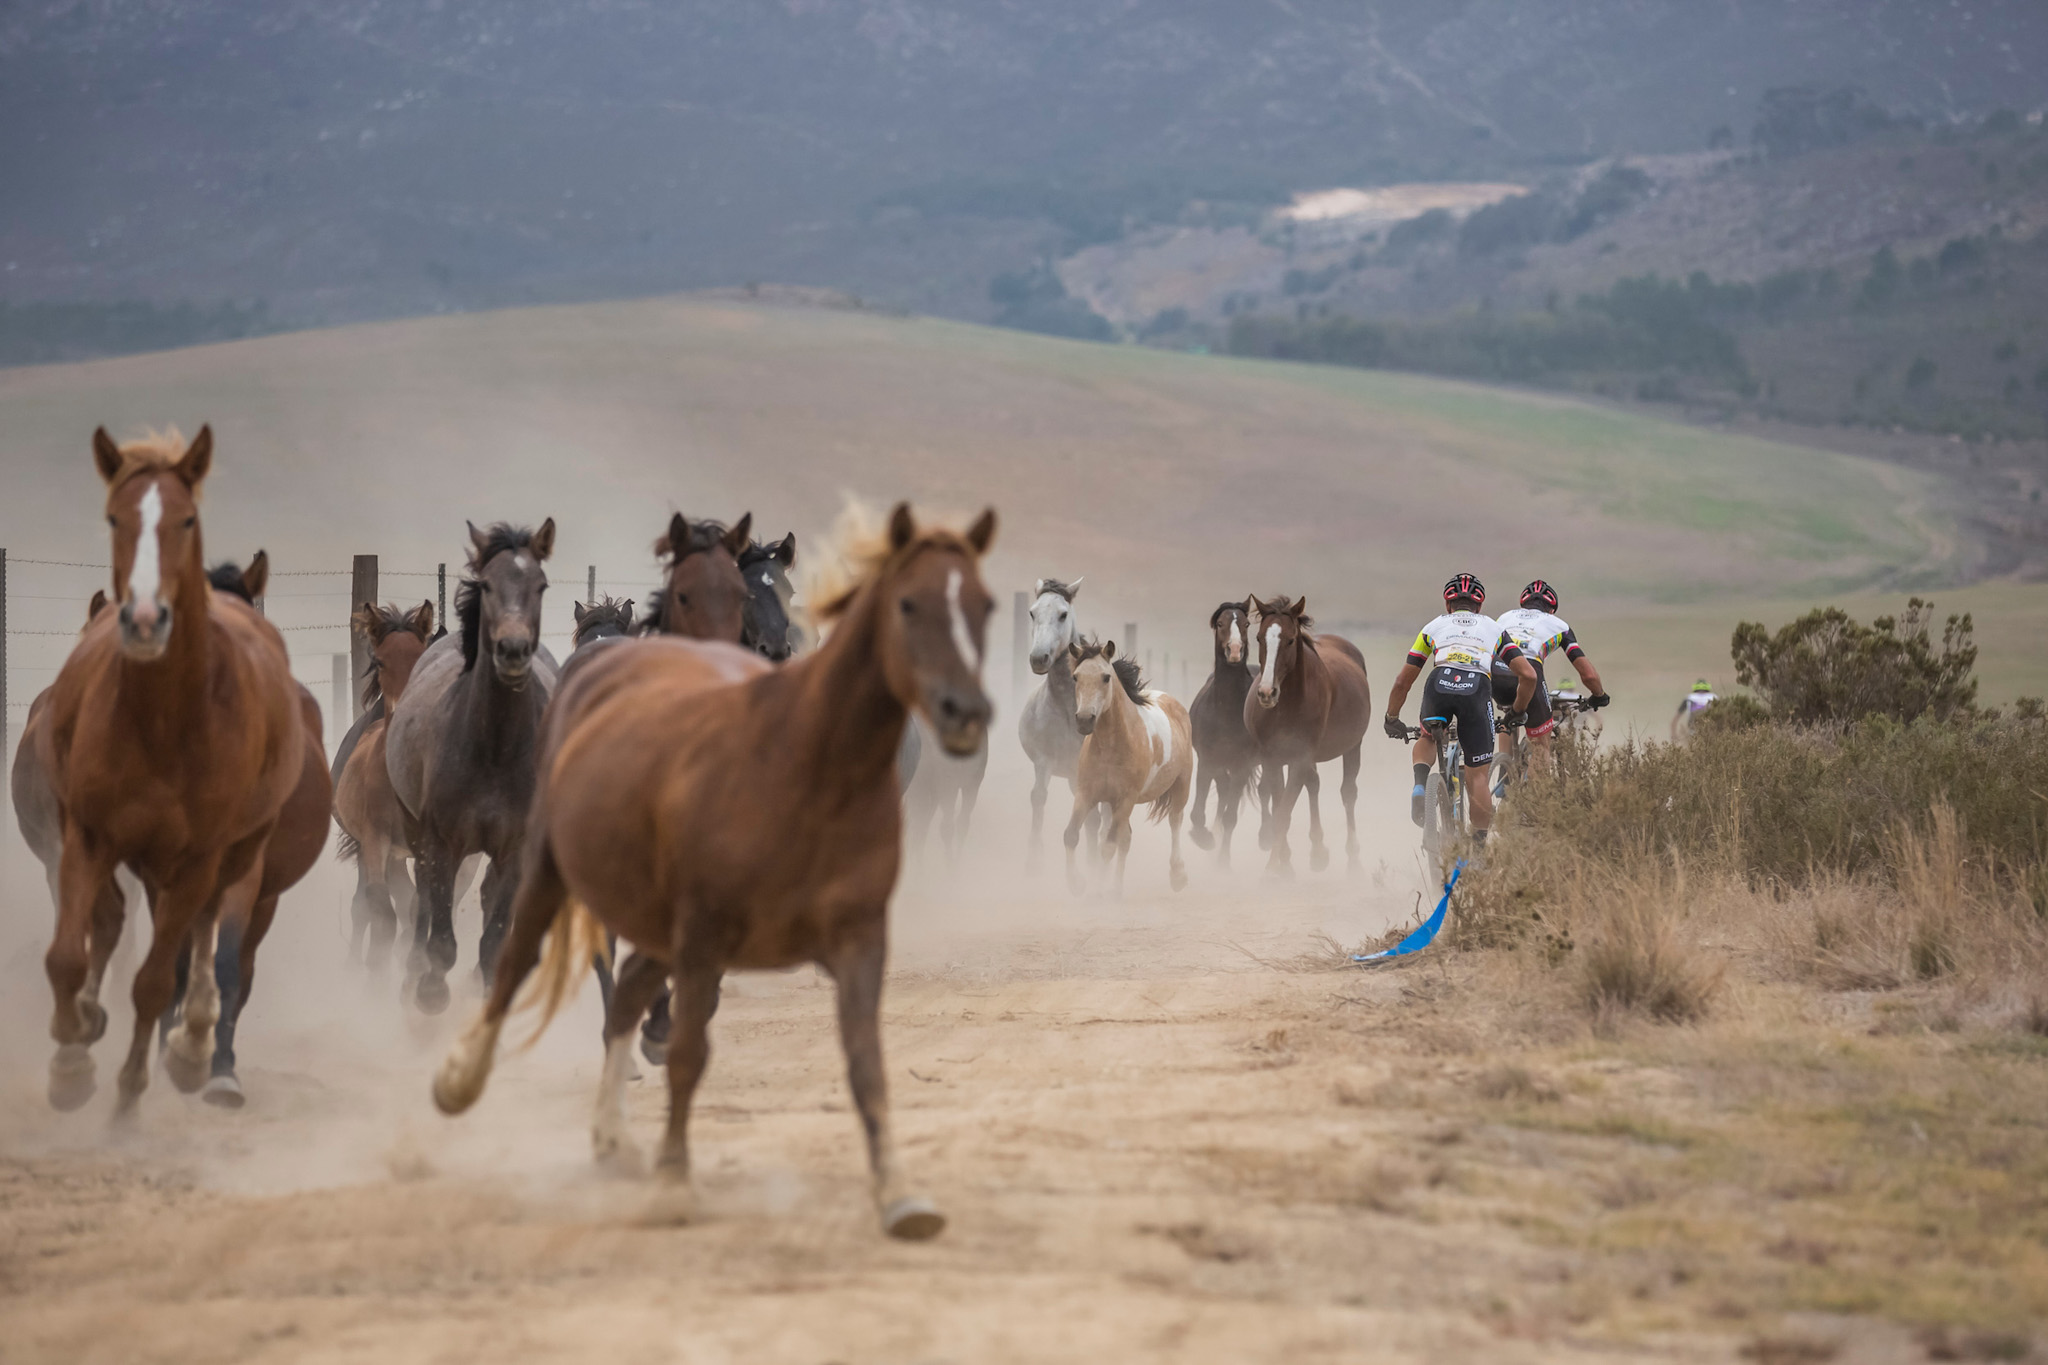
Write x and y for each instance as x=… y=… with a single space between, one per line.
x=1690 y=709
x=1459 y=648
x=1537 y=628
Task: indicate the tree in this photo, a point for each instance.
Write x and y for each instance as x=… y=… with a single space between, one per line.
x=1826 y=669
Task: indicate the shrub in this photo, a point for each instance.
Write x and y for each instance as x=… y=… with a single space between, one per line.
x=1825 y=668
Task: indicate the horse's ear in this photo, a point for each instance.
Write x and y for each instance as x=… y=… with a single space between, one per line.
x=1300 y=607
x=97 y=605
x=543 y=542
x=673 y=540
x=106 y=456
x=785 y=550
x=578 y=611
x=983 y=533
x=742 y=531
x=1109 y=649
x=421 y=622
x=627 y=621
x=1074 y=588
x=479 y=541
x=198 y=458
x=256 y=577
x=902 y=526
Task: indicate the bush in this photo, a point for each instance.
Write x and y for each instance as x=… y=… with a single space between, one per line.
x=1825 y=668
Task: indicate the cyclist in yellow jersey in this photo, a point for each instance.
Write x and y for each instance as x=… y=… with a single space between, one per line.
x=1459 y=648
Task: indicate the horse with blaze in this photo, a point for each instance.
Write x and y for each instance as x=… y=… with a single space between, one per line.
x=729 y=766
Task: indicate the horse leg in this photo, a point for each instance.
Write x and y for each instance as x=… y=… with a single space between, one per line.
x=234 y=968
x=1288 y=780
x=433 y=933
x=1083 y=810
x=695 y=999
x=856 y=969
x=361 y=911
x=601 y=968
x=640 y=977
x=1318 y=851
x=109 y=914
x=969 y=793
x=83 y=875
x=1349 y=791
x=501 y=883
x=1176 y=802
x=1198 y=830
x=1119 y=843
x=1041 y=778
x=1229 y=795
x=654 y=1032
x=384 y=868
x=541 y=897
x=1272 y=777
x=177 y=907
x=188 y=1059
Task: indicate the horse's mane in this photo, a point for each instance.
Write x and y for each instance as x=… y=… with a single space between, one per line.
x=1053 y=585
x=152 y=450
x=374 y=623
x=469 y=593
x=226 y=576
x=1281 y=607
x=858 y=552
x=1124 y=666
x=1217 y=614
x=606 y=611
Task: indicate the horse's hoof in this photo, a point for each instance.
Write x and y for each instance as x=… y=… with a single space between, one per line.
x=431 y=994
x=71 y=1078
x=1077 y=884
x=655 y=1050
x=224 y=1092
x=1177 y=877
x=95 y=1016
x=1202 y=838
x=1318 y=859
x=187 y=1072
x=670 y=1204
x=616 y=1154
x=913 y=1219
x=1280 y=872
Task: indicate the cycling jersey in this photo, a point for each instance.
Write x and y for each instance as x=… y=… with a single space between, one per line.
x=1463 y=639
x=1694 y=703
x=1538 y=633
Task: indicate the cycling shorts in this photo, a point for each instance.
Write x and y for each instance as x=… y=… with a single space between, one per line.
x=1542 y=720
x=1462 y=695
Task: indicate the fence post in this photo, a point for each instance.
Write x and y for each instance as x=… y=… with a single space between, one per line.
x=441 y=602
x=1020 y=643
x=1128 y=646
x=341 y=691
x=364 y=589
x=590 y=591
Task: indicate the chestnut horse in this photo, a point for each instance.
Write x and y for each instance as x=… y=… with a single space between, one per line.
x=176 y=740
x=373 y=823
x=1224 y=753
x=1135 y=748
x=461 y=745
x=770 y=831
x=1309 y=703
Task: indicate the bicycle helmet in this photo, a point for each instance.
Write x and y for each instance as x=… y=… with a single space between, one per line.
x=1702 y=686
x=1465 y=585
x=1540 y=594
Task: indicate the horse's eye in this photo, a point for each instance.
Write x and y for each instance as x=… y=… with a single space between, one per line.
x=190 y=522
x=682 y=599
x=112 y=520
x=908 y=606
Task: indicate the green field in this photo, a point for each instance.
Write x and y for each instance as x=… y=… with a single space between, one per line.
x=1171 y=481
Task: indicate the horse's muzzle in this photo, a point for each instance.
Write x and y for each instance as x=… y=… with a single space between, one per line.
x=514 y=661
x=961 y=722
x=1267 y=699
x=1085 y=724
x=145 y=633
x=1041 y=664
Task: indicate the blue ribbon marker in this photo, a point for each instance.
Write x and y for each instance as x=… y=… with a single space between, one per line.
x=1425 y=934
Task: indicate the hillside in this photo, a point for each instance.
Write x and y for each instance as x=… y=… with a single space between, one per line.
x=1171 y=481
x=343 y=159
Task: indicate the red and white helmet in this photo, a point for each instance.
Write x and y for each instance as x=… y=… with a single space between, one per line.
x=1465 y=585
x=1540 y=594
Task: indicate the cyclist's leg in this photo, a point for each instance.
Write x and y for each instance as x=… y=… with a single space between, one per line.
x=1475 y=732
x=1542 y=725
x=1424 y=753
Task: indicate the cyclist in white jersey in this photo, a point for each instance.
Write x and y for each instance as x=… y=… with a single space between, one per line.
x=1459 y=648
x=1536 y=627
x=1689 y=709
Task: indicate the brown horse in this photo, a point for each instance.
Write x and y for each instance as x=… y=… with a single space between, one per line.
x=1136 y=748
x=1224 y=753
x=1309 y=703
x=703 y=595
x=770 y=830
x=373 y=823
x=176 y=741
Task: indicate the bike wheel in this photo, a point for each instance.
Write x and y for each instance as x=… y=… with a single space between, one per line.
x=1439 y=826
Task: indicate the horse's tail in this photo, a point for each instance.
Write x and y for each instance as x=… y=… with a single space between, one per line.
x=347 y=848
x=575 y=939
x=1173 y=800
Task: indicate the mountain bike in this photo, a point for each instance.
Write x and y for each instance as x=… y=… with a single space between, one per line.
x=1566 y=704
x=1446 y=821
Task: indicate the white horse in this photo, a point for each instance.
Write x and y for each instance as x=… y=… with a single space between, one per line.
x=1047 y=729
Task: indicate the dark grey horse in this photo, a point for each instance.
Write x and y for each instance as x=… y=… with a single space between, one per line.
x=1224 y=752
x=463 y=743
x=768 y=629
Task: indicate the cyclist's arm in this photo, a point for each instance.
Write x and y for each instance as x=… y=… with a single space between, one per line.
x=1397 y=696
x=1511 y=654
x=1576 y=652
